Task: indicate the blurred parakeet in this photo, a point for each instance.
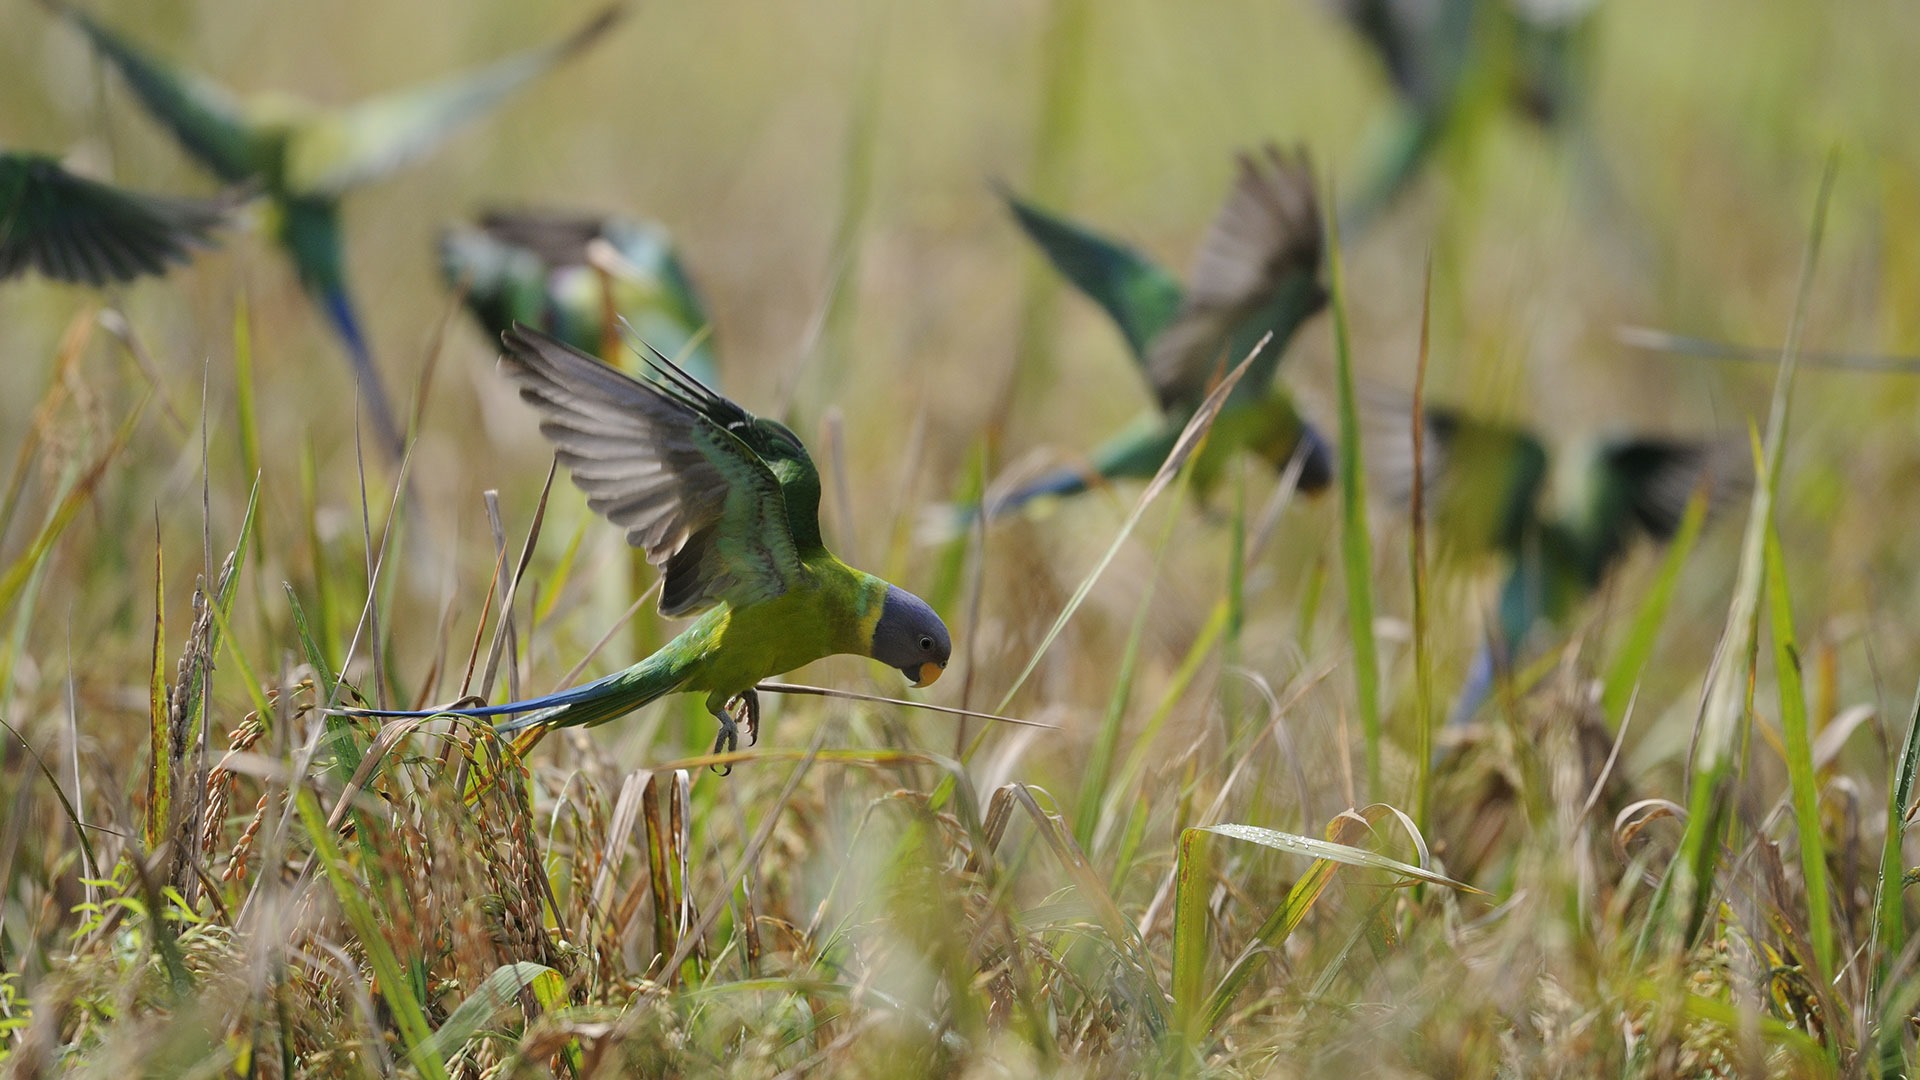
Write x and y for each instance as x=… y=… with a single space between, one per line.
x=729 y=504
x=1559 y=525
x=575 y=277
x=305 y=158
x=1438 y=55
x=1257 y=271
x=90 y=233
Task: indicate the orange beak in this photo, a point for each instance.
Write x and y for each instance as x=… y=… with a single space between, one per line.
x=929 y=671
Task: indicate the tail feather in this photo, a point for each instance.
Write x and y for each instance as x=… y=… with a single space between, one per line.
x=581 y=706
x=339 y=308
x=1056 y=484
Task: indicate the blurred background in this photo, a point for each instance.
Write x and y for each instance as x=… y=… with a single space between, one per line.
x=826 y=174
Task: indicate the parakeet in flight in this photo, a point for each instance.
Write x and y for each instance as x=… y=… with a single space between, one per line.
x=729 y=504
x=305 y=158
x=86 y=232
x=1434 y=50
x=1560 y=524
x=1257 y=271
x=576 y=276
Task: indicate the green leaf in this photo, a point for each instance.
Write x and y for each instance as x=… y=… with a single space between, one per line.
x=1356 y=545
x=495 y=994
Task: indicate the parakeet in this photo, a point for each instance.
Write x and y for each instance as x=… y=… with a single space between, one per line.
x=1436 y=52
x=575 y=276
x=1559 y=525
x=87 y=232
x=729 y=505
x=1257 y=271
x=305 y=158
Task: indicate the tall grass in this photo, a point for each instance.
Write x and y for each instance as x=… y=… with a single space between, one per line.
x=1175 y=870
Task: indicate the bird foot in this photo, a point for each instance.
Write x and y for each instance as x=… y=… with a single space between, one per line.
x=749 y=717
x=728 y=740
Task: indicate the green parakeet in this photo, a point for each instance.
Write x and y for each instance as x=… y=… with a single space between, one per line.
x=575 y=277
x=1257 y=271
x=86 y=232
x=305 y=158
x=729 y=505
x=1558 y=524
x=1437 y=54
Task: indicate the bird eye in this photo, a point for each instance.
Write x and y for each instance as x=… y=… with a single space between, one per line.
x=926 y=643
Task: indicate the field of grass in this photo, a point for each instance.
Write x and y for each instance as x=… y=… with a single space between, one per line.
x=1674 y=847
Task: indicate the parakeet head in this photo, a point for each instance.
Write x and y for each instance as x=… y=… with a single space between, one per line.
x=909 y=636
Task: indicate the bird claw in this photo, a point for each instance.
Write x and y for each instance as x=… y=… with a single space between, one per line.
x=729 y=738
x=750 y=716
x=725 y=742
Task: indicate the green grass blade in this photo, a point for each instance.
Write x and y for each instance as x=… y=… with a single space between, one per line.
x=1106 y=743
x=495 y=994
x=1802 y=776
x=1889 y=900
x=1725 y=712
x=1344 y=854
x=395 y=986
x=1274 y=930
x=1144 y=744
x=74 y=497
x=1356 y=546
x=245 y=403
x=1623 y=675
x=1423 y=711
x=160 y=766
x=1183 y=448
x=1193 y=884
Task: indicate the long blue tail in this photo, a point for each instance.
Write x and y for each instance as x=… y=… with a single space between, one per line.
x=1058 y=483
x=591 y=703
x=339 y=308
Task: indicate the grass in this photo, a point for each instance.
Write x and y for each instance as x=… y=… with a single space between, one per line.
x=1679 y=850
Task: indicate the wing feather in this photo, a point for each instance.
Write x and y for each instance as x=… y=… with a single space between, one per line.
x=78 y=230
x=1257 y=270
x=657 y=459
x=205 y=117
x=374 y=137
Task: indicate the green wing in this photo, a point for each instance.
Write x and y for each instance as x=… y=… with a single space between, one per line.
x=1482 y=480
x=1640 y=487
x=1138 y=295
x=662 y=460
x=83 y=231
x=1257 y=271
x=207 y=120
x=349 y=146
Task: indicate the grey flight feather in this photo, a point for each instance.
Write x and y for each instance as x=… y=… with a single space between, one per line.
x=1266 y=236
x=653 y=459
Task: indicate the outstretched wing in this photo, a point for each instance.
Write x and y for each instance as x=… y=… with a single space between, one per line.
x=83 y=231
x=207 y=120
x=1137 y=294
x=368 y=140
x=1641 y=486
x=659 y=459
x=1258 y=270
x=1481 y=480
